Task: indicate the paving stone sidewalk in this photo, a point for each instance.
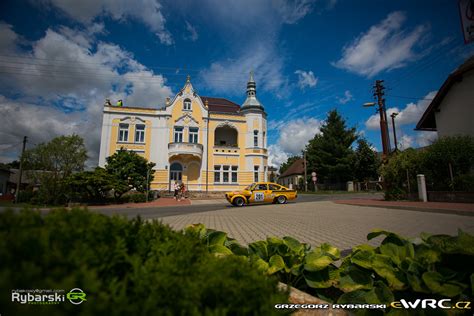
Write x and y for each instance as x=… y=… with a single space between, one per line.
x=316 y=222
x=466 y=209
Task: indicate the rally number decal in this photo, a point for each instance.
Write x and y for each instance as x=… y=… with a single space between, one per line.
x=259 y=197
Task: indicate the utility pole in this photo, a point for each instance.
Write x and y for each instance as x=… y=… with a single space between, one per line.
x=147 y=182
x=378 y=92
x=393 y=115
x=305 y=172
x=21 y=169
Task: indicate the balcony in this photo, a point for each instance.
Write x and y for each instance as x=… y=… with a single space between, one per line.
x=184 y=149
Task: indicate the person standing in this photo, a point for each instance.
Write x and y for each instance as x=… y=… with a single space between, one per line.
x=183 y=191
x=176 y=190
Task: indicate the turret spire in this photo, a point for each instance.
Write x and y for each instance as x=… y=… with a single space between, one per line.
x=251 y=101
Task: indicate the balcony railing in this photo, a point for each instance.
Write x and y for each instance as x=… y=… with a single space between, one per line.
x=175 y=149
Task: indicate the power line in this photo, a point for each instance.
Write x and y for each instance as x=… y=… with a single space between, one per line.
x=426 y=64
x=12 y=70
x=405 y=97
x=93 y=63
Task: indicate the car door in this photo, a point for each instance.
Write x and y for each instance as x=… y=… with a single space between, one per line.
x=260 y=193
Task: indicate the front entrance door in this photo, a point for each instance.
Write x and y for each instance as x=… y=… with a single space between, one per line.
x=176 y=174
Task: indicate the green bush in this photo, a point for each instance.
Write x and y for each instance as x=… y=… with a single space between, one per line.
x=124 y=267
x=437 y=266
x=137 y=197
x=25 y=196
x=408 y=162
x=445 y=156
x=457 y=151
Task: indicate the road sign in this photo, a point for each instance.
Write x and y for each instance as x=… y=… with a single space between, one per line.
x=314 y=179
x=466 y=12
x=313 y=174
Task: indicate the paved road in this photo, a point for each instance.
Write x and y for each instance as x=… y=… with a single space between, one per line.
x=313 y=219
x=200 y=206
x=316 y=222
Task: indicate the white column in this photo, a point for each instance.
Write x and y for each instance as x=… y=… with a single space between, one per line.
x=422 y=194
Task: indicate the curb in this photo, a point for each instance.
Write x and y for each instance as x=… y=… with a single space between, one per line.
x=416 y=209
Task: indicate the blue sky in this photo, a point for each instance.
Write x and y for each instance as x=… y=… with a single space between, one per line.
x=60 y=59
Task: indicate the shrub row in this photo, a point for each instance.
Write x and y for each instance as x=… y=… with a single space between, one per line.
x=448 y=165
x=125 y=268
x=437 y=266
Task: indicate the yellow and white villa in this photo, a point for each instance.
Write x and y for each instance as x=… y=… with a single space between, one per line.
x=210 y=144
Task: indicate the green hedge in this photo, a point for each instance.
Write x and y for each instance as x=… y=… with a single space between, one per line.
x=435 y=267
x=125 y=268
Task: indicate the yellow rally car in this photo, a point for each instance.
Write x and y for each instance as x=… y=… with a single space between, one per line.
x=261 y=192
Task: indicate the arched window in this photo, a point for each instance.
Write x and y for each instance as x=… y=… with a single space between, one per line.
x=187 y=105
x=226 y=136
x=176 y=167
x=176 y=172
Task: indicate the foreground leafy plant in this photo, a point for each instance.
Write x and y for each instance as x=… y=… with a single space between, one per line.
x=125 y=268
x=435 y=266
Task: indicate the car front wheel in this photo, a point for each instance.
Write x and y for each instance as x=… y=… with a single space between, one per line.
x=281 y=199
x=239 y=202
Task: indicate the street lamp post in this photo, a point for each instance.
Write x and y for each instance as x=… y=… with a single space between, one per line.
x=393 y=115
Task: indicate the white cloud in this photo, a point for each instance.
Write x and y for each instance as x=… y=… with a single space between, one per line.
x=409 y=115
x=8 y=38
x=346 y=98
x=385 y=46
x=295 y=134
x=306 y=79
x=58 y=97
x=293 y=137
x=425 y=138
x=249 y=31
x=42 y=123
x=193 y=35
x=231 y=75
x=148 y=12
x=292 y=11
x=405 y=142
x=276 y=156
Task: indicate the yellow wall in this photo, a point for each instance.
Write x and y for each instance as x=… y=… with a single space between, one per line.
x=191 y=174
x=130 y=144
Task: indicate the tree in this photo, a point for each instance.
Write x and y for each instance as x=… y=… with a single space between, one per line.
x=55 y=161
x=366 y=162
x=15 y=164
x=129 y=171
x=329 y=153
x=400 y=172
x=90 y=185
x=284 y=166
x=455 y=153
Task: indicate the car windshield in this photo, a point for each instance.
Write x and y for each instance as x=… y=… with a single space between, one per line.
x=248 y=188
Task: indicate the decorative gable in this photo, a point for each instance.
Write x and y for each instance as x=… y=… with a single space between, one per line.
x=186 y=120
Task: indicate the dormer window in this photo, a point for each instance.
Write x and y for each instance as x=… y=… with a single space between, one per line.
x=187 y=105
